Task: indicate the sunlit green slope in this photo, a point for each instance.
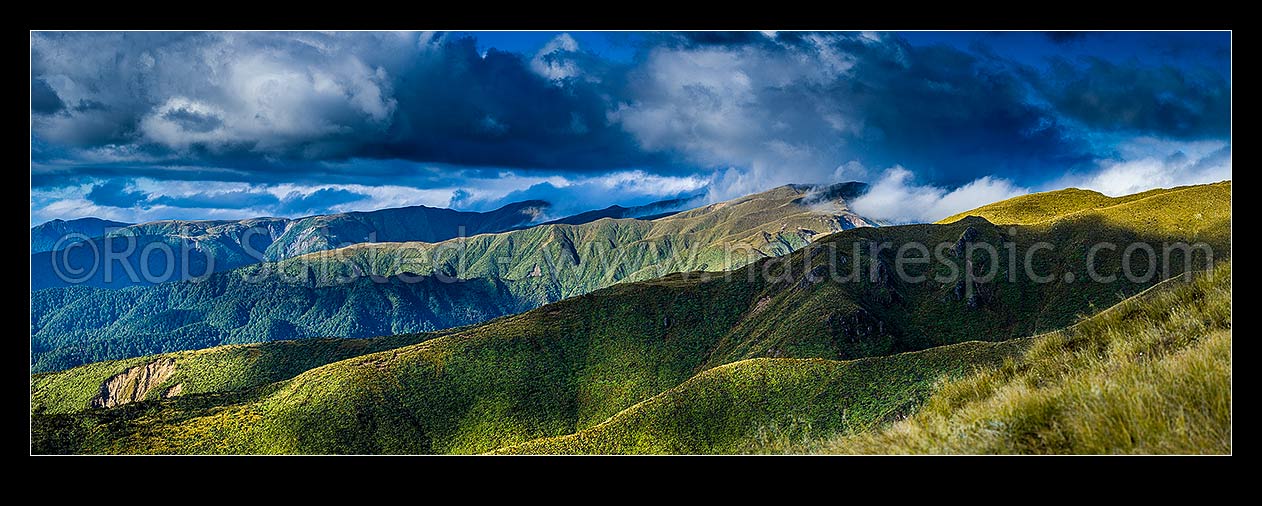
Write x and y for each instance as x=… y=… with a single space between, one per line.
x=1150 y=375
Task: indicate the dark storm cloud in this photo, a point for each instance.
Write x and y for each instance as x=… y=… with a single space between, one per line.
x=85 y=105
x=955 y=116
x=1164 y=101
x=432 y=111
x=247 y=170
x=495 y=109
x=816 y=101
x=732 y=40
x=319 y=200
x=43 y=99
x=56 y=176
x=717 y=38
x=1065 y=37
x=218 y=200
x=236 y=99
x=193 y=121
x=115 y=194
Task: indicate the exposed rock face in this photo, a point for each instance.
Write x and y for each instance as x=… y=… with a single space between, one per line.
x=983 y=293
x=816 y=275
x=969 y=235
x=133 y=384
x=855 y=221
x=855 y=326
x=883 y=277
x=760 y=305
x=979 y=293
x=884 y=281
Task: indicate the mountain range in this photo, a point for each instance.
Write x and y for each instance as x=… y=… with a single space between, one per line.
x=49 y=235
x=381 y=288
x=216 y=245
x=823 y=343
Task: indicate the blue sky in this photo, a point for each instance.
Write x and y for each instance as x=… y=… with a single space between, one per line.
x=140 y=126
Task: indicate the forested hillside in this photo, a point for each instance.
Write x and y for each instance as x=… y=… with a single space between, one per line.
x=388 y=288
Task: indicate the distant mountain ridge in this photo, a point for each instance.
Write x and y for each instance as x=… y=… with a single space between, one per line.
x=45 y=236
x=416 y=223
x=203 y=247
x=654 y=210
x=233 y=244
x=576 y=259
x=388 y=288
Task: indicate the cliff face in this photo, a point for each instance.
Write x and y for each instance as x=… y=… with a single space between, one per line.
x=133 y=384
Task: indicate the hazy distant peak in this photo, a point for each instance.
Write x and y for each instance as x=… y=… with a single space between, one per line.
x=82 y=222
x=44 y=237
x=652 y=210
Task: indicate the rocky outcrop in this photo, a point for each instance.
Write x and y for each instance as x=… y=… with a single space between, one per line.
x=135 y=383
x=760 y=305
x=855 y=326
x=884 y=283
x=983 y=293
x=969 y=235
x=816 y=275
x=978 y=294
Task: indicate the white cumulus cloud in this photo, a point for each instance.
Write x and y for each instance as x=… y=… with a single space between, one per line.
x=1188 y=164
x=896 y=198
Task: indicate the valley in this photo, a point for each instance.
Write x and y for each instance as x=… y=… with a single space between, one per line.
x=640 y=366
x=599 y=243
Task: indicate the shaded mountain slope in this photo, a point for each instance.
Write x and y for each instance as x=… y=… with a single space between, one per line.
x=1030 y=395
x=417 y=223
x=216 y=246
x=45 y=236
x=136 y=255
x=431 y=286
x=72 y=326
